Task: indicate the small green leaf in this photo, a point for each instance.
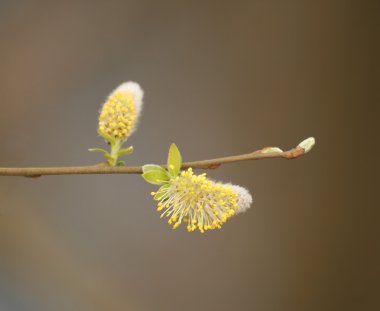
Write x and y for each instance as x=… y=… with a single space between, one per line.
x=174 y=160
x=108 y=156
x=153 y=167
x=156 y=177
x=98 y=150
x=120 y=163
x=125 y=151
x=107 y=137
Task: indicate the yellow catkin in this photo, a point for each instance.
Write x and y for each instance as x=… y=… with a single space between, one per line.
x=118 y=115
x=197 y=201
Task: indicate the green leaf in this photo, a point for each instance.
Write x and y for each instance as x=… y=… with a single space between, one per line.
x=108 y=156
x=120 y=163
x=156 y=170
x=174 y=160
x=107 y=137
x=156 y=177
x=153 y=167
x=98 y=150
x=125 y=151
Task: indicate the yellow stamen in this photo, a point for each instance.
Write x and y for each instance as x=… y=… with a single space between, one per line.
x=198 y=201
x=118 y=114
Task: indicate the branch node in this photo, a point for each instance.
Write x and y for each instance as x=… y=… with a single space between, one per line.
x=214 y=166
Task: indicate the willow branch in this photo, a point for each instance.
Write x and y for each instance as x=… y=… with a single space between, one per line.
x=103 y=168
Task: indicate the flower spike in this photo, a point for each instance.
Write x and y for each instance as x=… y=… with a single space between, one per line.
x=119 y=114
x=194 y=199
x=118 y=119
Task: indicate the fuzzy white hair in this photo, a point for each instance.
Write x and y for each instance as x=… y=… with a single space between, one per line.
x=136 y=90
x=244 y=200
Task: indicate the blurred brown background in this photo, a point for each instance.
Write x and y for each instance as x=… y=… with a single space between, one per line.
x=220 y=78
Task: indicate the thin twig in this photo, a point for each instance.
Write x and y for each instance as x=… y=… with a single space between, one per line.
x=103 y=168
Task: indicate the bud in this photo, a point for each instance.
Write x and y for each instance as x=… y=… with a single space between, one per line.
x=307 y=144
x=272 y=150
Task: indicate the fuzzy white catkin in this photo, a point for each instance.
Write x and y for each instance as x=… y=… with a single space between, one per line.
x=244 y=200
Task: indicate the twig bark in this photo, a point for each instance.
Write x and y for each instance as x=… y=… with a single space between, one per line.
x=103 y=168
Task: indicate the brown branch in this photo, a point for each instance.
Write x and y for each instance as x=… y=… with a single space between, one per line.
x=265 y=153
